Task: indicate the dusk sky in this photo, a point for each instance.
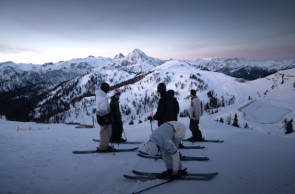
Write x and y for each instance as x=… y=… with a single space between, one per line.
x=37 y=31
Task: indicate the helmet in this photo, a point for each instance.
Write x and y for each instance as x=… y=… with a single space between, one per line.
x=105 y=87
x=161 y=88
x=151 y=148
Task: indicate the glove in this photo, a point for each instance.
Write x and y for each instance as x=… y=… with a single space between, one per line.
x=150 y=118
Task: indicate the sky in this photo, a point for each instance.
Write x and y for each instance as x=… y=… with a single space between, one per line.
x=39 y=31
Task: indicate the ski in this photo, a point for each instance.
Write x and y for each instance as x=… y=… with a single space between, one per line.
x=206 y=140
x=126 y=142
x=114 y=150
x=143 y=178
x=183 y=158
x=188 y=174
x=191 y=147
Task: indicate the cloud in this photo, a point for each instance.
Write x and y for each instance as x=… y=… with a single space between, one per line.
x=4 y=48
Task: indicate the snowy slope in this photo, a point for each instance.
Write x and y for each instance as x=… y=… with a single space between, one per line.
x=38 y=159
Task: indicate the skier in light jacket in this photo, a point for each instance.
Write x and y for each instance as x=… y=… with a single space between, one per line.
x=194 y=115
x=166 y=139
x=103 y=115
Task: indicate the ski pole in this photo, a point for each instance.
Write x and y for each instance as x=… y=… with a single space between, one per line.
x=152 y=115
x=148 y=188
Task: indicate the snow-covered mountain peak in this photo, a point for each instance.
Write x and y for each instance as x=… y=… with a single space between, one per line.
x=137 y=52
x=119 y=56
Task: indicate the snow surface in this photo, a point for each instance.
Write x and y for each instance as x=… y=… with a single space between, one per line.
x=255 y=112
x=37 y=158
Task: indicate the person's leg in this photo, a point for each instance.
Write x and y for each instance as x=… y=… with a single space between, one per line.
x=109 y=129
x=114 y=135
x=105 y=132
x=120 y=129
x=198 y=131
x=193 y=128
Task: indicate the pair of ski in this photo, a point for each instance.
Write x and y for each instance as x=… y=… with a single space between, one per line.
x=109 y=151
x=206 y=140
x=143 y=176
x=183 y=158
x=139 y=142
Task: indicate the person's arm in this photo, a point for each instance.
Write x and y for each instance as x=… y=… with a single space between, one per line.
x=160 y=110
x=177 y=106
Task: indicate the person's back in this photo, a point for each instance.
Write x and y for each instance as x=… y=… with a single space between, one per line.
x=117 y=124
x=174 y=104
x=166 y=106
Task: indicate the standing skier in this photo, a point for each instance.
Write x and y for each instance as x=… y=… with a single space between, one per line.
x=175 y=109
x=166 y=106
x=117 y=124
x=194 y=115
x=103 y=114
x=166 y=139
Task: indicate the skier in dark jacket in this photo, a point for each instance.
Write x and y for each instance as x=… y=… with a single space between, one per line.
x=170 y=93
x=166 y=107
x=117 y=124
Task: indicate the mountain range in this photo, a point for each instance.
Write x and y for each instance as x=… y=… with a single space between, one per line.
x=64 y=91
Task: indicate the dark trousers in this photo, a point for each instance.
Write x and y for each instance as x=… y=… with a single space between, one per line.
x=117 y=130
x=194 y=127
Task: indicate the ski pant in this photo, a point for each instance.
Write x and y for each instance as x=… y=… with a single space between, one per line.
x=117 y=129
x=105 y=135
x=194 y=127
x=167 y=158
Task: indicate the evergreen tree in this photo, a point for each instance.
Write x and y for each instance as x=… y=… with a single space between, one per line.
x=236 y=122
x=288 y=126
x=246 y=125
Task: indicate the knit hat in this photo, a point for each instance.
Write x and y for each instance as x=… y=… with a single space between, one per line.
x=105 y=87
x=117 y=91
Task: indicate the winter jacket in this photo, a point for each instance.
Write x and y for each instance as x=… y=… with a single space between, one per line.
x=176 y=109
x=167 y=109
x=117 y=124
x=167 y=137
x=102 y=104
x=195 y=108
x=103 y=111
x=115 y=110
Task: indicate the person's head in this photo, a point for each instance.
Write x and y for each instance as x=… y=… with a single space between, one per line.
x=170 y=93
x=193 y=92
x=151 y=148
x=117 y=92
x=105 y=87
x=161 y=88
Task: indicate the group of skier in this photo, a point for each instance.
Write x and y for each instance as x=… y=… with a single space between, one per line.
x=165 y=139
